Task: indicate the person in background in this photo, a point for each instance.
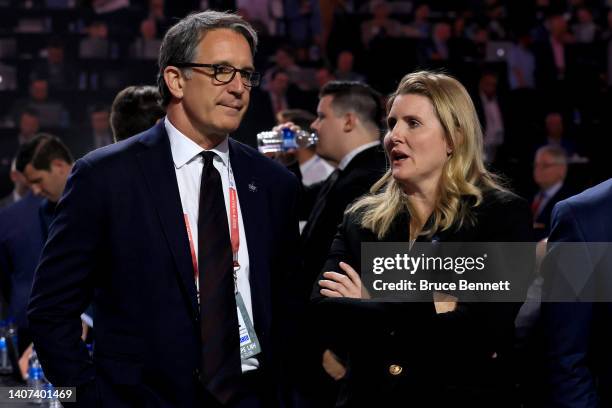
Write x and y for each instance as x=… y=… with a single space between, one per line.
x=381 y=25
x=134 y=110
x=60 y=74
x=491 y=114
x=348 y=122
x=312 y=168
x=437 y=189
x=29 y=125
x=51 y=113
x=344 y=68
x=146 y=46
x=21 y=187
x=45 y=163
x=549 y=173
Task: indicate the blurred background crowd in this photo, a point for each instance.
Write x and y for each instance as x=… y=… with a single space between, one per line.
x=539 y=71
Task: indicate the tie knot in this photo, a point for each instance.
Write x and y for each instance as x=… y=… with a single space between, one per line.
x=208 y=157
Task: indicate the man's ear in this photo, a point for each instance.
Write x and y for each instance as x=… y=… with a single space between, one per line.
x=175 y=81
x=350 y=121
x=60 y=165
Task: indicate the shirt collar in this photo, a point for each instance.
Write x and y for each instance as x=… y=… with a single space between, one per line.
x=552 y=190
x=347 y=159
x=184 y=150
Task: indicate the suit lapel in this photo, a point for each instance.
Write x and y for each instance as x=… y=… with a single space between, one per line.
x=158 y=171
x=253 y=207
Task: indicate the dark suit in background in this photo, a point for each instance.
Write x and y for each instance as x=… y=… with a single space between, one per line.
x=325 y=203
x=21 y=241
x=119 y=240
x=365 y=169
x=542 y=218
x=459 y=358
x=577 y=335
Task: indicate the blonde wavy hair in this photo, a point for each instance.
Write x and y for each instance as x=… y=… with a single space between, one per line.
x=464 y=174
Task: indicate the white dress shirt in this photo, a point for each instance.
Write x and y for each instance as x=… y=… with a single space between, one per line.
x=315 y=170
x=188 y=165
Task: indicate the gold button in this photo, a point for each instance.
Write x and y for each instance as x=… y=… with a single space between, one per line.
x=395 y=369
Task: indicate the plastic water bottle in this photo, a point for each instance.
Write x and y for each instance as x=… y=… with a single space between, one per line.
x=52 y=401
x=284 y=140
x=5 y=362
x=36 y=378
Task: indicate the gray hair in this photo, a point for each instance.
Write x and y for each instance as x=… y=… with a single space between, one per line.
x=181 y=41
x=556 y=152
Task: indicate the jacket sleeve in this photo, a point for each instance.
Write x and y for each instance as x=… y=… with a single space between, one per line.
x=63 y=282
x=566 y=325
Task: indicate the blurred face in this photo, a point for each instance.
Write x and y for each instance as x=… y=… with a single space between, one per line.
x=148 y=30
x=558 y=25
x=329 y=127
x=546 y=171
x=381 y=11
x=216 y=109
x=280 y=83
x=323 y=76
x=488 y=85
x=100 y=121
x=48 y=183
x=481 y=36
x=415 y=143
x=283 y=59
x=39 y=90
x=584 y=16
x=554 y=125
x=421 y=13
x=443 y=31
x=55 y=55
x=28 y=125
x=345 y=61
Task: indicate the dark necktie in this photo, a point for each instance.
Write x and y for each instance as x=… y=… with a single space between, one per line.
x=321 y=201
x=221 y=367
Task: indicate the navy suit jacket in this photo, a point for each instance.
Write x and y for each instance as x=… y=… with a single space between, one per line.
x=21 y=240
x=119 y=240
x=577 y=335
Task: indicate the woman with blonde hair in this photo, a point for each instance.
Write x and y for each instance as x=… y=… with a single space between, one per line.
x=437 y=188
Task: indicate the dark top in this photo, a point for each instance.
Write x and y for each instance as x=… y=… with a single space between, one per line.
x=456 y=358
x=577 y=335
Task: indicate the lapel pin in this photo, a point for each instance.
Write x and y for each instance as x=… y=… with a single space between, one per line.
x=252 y=187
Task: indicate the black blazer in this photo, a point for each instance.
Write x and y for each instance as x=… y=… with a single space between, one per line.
x=119 y=241
x=460 y=358
x=354 y=181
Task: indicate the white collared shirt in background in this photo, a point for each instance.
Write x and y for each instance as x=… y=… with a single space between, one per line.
x=315 y=170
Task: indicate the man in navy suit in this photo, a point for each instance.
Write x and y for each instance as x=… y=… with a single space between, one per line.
x=181 y=237
x=577 y=333
x=45 y=163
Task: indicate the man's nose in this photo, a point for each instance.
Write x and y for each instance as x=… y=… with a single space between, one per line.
x=236 y=85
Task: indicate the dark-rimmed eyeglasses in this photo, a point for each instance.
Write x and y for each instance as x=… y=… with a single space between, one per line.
x=224 y=73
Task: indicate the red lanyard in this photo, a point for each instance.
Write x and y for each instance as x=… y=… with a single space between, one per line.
x=234 y=229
